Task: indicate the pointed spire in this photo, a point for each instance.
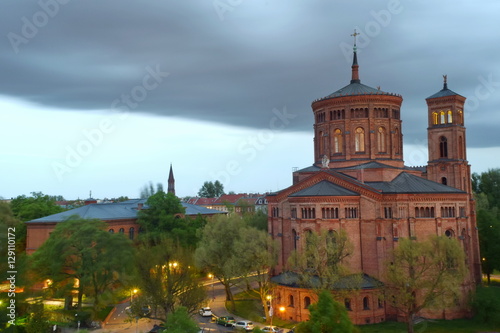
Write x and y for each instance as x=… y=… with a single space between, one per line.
x=355 y=67
x=171 y=181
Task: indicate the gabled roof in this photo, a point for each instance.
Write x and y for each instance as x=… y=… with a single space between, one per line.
x=408 y=183
x=228 y=198
x=117 y=211
x=368 y=165
x=354 y=281
x=324 y=188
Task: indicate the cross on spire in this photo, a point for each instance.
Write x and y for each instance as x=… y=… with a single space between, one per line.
x=354 y=35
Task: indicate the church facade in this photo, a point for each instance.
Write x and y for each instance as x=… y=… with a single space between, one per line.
x=359 y=183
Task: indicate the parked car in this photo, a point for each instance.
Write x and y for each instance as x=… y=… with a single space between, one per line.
x=226 y=321
x=272 y=329
x=245 y=324
x=205 y=312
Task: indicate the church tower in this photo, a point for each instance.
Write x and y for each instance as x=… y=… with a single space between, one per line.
x=358 y=124
x=171 y=181
x=446 y=139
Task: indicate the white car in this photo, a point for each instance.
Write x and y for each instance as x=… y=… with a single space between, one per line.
x=246 y=325
x=271 y=329
x=205 y=312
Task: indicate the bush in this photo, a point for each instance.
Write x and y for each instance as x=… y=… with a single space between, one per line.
x=486 y=304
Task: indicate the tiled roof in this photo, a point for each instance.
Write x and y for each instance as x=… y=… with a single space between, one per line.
x=408 y=183
x=117 y=211
x=444 y=92
x=228 y=198
x=357 y=89
x=324 y=188
x=354 y=281
x=369 y=165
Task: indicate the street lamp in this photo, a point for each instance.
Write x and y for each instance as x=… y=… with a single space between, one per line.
x=132 y=293
x=211 y=276
x=270 y=299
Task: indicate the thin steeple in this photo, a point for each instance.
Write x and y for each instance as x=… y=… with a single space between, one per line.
x=445 y=83
x=171 y=181
x=355 y=67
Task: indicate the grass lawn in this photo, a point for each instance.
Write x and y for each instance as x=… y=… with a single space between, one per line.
x=248 y=306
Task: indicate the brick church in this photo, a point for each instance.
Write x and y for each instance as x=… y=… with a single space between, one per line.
x=359 y=183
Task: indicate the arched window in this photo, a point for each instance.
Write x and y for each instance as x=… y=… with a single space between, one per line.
x=366 y=303
x=347 y=303
x=442 y=119
x=111 y=231
x=450 y=117
x=435 y=118
x=444 y=181
x=381 y=140
x=121 y=231
x=307 y=302
x=460 y=117
x=461 y=148
x=359 y=139
x=443 y=147
x=337 y=141
x=131 y=233
x=290 y=301
x=396 y=141
x=331 y=238
x=295 y=238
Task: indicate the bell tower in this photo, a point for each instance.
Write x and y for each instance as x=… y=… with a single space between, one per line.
x=448 y=163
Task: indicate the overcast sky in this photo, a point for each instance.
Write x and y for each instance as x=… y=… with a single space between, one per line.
x=102 y=96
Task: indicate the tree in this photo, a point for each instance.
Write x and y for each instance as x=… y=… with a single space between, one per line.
x=38 y=205
x=38 y=321
x=216 y=252
x=167 y=278
x=424 y=274
x=321 y=259
x=148 y=190
x=211 y=189
x=489 y=183
x=81 y=249
x=327 y=315
x=163 y=216
x=181 y=322
x=489 y=241
x=257 y=220
x=258 y=253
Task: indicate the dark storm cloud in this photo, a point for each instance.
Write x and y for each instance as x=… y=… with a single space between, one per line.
x=236 y=67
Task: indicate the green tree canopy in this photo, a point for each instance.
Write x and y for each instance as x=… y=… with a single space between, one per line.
x=211 y=189
x=322 y=257
x=82 y=249
x=167 y=277
x=149 y=190
x=33 y=207
x=489 y=241
x=488 y=183
x=424 y=274
x=181 y=322
x=326 y=316
x=216 y=253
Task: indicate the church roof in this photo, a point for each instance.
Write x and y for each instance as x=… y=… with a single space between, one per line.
x=117 y=211
x=408 y=183
x=357 y=88
x=324 y=188
x=444 y=92
x=354 y=281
